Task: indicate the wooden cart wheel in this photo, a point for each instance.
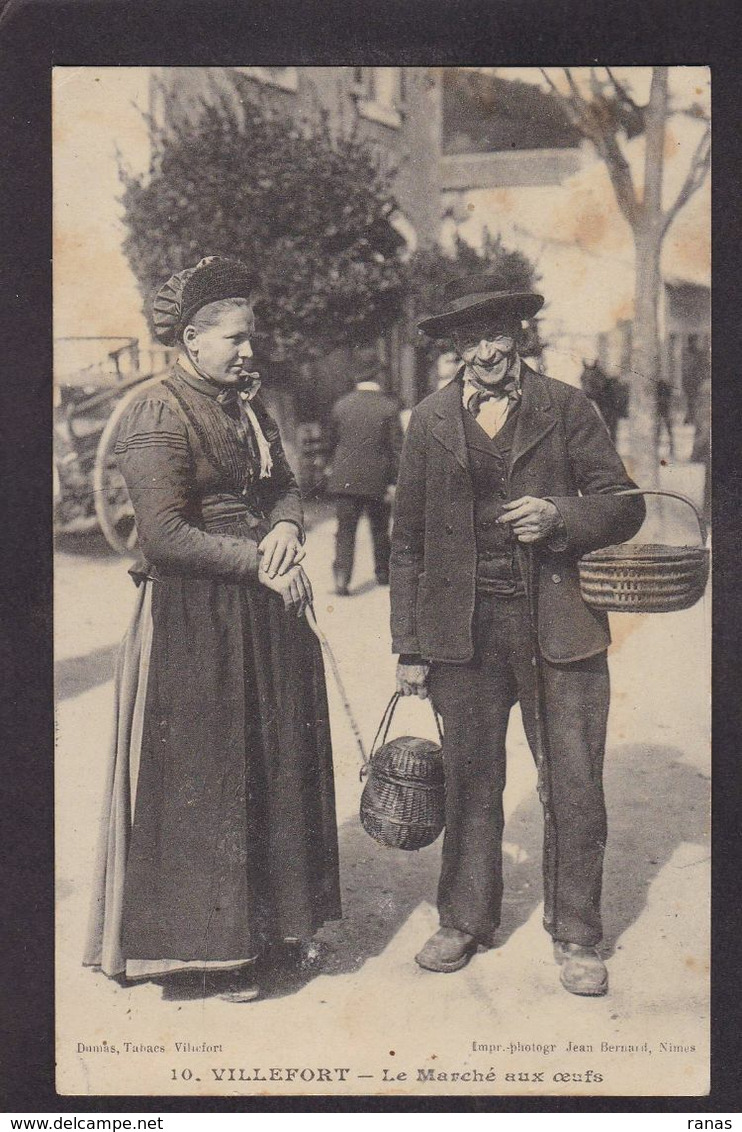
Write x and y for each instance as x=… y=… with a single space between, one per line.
x=113 y=507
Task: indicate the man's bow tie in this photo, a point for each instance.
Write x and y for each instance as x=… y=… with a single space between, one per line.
x=506 y=390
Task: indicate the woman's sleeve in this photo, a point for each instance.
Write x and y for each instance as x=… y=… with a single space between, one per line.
x=155 y=459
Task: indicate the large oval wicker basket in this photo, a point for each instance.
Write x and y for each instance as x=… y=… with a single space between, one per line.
x=402 y=804
x=646 y=577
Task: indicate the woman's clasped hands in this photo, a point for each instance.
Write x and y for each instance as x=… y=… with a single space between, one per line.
x=281 y=553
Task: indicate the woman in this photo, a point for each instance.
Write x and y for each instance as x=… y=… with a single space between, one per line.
x=222 y=733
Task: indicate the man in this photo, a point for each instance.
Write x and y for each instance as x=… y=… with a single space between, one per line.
x=446 y=368
x=606 y=393
x=507 y=477
x=663 y=395
x=366 y=439
x=694 y=371
x=702 y=442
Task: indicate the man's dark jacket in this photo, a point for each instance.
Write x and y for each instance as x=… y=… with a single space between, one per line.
x=561 y=451
x=365 y=441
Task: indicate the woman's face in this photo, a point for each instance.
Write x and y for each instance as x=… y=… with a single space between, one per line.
x=223 y=350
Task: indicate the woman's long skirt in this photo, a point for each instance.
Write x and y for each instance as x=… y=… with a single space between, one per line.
x=222 y=742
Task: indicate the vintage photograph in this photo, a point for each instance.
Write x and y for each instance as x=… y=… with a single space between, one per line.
x=382 y=620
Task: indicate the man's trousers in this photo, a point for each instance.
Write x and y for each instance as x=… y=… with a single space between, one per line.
x=349 y=510
x=474 y=701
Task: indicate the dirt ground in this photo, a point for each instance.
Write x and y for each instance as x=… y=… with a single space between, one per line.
x=503 y=1025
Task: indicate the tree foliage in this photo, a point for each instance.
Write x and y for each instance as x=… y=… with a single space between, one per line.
x=311 y=211
x=609 y=113
x=236 y=176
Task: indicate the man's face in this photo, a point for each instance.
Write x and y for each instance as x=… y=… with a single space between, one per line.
x=487 y=349
x=223 y=350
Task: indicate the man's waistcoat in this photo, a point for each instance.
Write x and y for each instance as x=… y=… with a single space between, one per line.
x=498 y=566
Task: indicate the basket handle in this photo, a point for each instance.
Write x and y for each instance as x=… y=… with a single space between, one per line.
x=672 y=495
x=386 y=722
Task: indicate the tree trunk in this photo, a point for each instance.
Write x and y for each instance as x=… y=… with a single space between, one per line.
x=645 y=360
x=645 y=346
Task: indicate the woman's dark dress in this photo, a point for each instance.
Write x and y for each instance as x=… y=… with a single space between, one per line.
x=233 y=840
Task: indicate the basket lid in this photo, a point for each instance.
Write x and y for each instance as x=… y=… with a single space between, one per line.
x=410 y=757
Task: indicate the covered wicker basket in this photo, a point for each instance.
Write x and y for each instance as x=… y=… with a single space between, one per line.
x=646 y=577
x=402 y=804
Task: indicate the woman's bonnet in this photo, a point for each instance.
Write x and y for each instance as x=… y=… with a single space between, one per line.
x=212 y=279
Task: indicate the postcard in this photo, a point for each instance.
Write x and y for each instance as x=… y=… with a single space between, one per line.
x=461 y=312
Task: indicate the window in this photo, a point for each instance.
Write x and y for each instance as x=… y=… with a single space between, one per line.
x=379 y=91
x=285 y=78
x=385 y=88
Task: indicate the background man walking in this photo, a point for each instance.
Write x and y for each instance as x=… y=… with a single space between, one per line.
x=507 y=477
x=365 y=442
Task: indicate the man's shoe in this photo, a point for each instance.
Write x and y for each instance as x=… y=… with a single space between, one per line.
x=583 y=971
x=447 y=950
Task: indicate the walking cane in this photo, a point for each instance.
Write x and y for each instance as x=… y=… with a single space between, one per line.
x=311 y=619
x=541 y=753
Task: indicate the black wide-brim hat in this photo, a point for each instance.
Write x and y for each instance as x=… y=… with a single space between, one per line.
x=463 y=300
